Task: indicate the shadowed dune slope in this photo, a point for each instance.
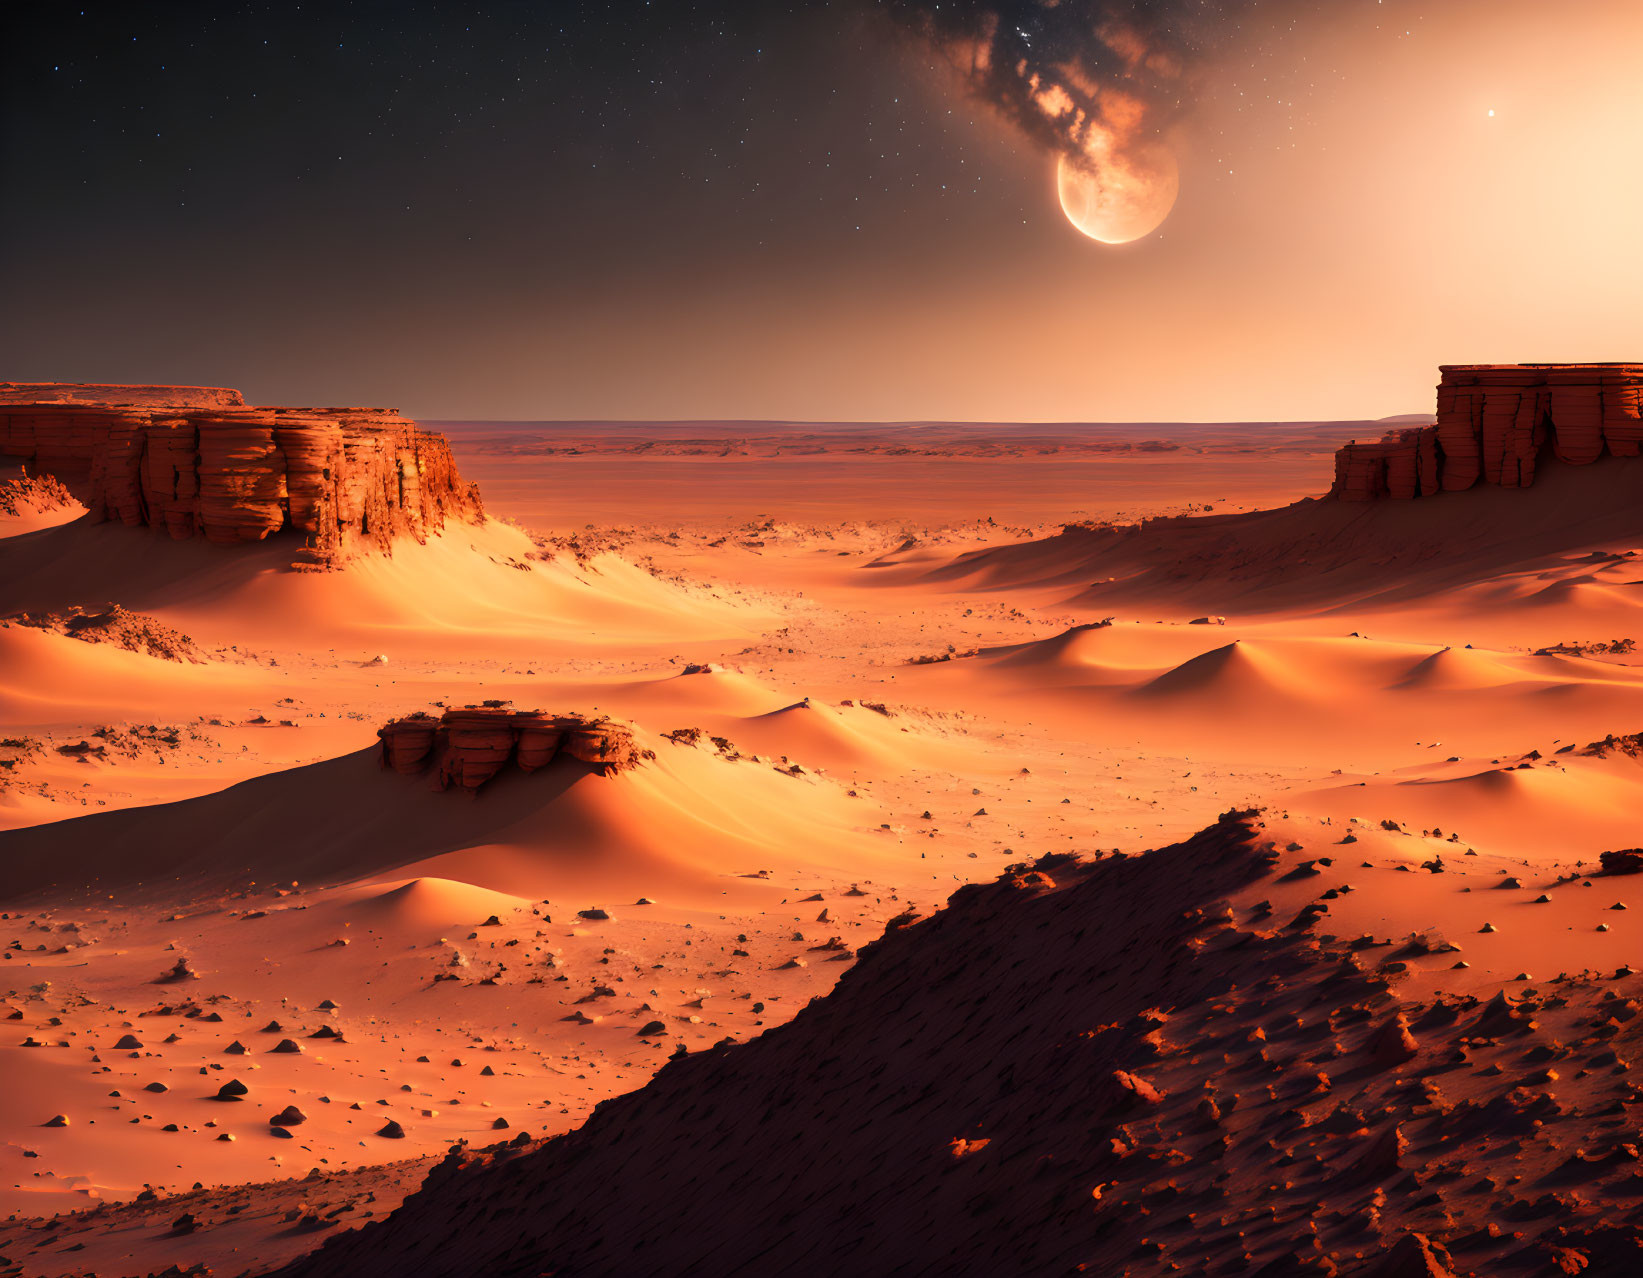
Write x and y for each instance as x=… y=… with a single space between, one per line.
x=470 y=585
x=338 y=819
x=1549 y=812
x=1315 y=551
x=684 y=820
x=1056 y=1077
x=1077 y=647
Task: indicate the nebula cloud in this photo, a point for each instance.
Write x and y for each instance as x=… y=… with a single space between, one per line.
x=1094 y=81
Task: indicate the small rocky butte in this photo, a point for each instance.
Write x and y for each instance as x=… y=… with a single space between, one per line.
x=464 y=748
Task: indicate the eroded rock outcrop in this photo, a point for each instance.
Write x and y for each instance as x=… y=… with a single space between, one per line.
x=466 y=747
x=33 y=494
x=198 y=461
x=1494 y=424
x=112 y=624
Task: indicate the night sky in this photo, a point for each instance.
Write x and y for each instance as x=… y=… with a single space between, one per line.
x=819 y=211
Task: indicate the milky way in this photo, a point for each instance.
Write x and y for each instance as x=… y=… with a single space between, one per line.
x=1080 y=77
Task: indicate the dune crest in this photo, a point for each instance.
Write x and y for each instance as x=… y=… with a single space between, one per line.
x=422 y=902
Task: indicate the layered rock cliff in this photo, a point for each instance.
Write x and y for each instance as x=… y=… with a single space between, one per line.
x=466 y=747
x=1494 y=423
x=198 y=461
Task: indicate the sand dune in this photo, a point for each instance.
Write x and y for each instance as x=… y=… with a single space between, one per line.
x=688 y=819
x=1232 y=675
x=823 y=735
x=1316 y=553
x=711 y=689
x=47 y=678
x=1078 y=646
x=315 y=932
x=1449 y=670
x=424 y=597
x=1553 y=811
x=418 y=904
x=1280 y=695
x=1098 y=996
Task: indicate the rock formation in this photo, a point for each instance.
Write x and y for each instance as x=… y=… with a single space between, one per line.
x=1494 y=422
x=104 y=394
x=30 y=494
x=196 y=460
x=466 y=747
x=112 y=624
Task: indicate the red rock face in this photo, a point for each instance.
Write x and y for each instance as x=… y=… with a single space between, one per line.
x=540 y=736
x=1623 y=412
x=1494 y=421
x=408 y=743
x=477 y=745
x=467 y=747
x=197 y=461
x=242 y=478
x=1403 y=464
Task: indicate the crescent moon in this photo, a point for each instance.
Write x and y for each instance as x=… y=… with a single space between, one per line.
x=1122 y=198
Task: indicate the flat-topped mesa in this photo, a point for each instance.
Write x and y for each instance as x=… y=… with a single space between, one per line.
x=197 y=460
x=1494 y=423
x=466 y=747
x=115 y=395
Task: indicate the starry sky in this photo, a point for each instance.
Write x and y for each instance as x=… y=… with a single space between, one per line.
x=821 y=211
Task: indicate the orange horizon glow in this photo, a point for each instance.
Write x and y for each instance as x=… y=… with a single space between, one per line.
x=1349 y=216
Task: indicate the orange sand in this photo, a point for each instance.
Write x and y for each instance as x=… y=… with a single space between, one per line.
x=910 y=697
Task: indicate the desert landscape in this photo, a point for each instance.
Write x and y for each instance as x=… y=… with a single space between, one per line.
x=938 y=638
x=359 y=832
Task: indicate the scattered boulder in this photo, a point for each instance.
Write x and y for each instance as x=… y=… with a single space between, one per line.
x=179 y=971
x=1392 y=1044
x=1413 y=1256
x=1134 y=1092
